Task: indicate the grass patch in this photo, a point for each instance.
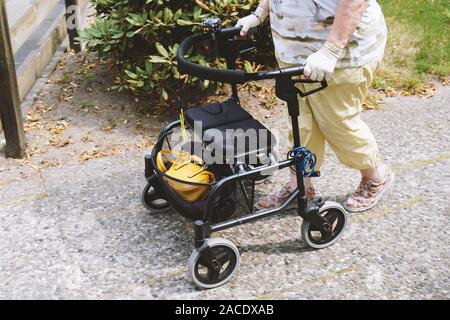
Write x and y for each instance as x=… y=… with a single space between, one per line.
x=418 y=46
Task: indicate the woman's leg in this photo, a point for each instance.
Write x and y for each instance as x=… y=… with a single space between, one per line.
x=337 y=111
x=376 y=174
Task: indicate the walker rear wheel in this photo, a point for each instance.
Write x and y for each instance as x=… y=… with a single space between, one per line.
x=152 y=200
x=336 y=216
x=203 y=273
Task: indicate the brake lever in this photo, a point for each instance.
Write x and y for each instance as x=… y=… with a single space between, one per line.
x=249 y=45
x=251 y=40
x=323 y=83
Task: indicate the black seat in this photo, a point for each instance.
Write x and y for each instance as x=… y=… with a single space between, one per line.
x=239 y=141
x=216 y=114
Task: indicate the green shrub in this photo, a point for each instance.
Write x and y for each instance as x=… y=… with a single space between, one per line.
x=141 y=38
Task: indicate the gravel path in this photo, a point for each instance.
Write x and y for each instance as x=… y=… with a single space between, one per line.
x=77 y=229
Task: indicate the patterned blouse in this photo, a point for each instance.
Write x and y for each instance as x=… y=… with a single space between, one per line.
x=301 y=27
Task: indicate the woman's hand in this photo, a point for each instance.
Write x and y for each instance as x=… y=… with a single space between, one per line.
x=321 y=65
x=247 y=23
x=255 y=19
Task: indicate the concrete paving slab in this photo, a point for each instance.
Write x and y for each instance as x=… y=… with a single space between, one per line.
x=89 y=237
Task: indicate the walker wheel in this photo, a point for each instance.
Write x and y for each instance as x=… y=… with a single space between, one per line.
x=336 y=215
x=203 y=274
x=152 y=200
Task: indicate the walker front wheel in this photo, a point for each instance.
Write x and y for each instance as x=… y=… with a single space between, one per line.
x=207 y=273
x=336 y=216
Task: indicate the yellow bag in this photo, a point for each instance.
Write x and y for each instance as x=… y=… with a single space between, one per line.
x=165 y=159
x=185 y=167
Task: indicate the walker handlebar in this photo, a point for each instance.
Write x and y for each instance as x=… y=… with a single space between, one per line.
x=226 y=75
x=214 y=74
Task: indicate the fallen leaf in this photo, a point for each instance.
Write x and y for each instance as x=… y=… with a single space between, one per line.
x=110 y=125
x=391 y=92
x=87 y=139
x=424 y=91
x=373 y=101
x=97 y=153
x=145 y=144
x=59 y=127
x=48 y=164
x=57 y=142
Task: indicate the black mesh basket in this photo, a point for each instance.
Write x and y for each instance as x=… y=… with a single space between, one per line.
x=234 y=198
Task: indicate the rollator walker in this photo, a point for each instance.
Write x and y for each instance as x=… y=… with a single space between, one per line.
x=230 y=200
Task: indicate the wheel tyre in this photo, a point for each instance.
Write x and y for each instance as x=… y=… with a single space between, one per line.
x=152 y=201
x=337 y=217
x=229 y=258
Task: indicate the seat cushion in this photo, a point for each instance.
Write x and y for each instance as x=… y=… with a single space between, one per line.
x=238 y=141
x=216 y=114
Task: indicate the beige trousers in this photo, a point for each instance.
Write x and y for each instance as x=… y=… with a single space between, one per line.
x=334 y=115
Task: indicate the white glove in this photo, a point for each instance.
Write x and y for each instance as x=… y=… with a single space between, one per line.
x=252 y=21
x=321 y=65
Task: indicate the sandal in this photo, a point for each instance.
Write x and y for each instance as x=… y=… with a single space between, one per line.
x=278 y=198
x=369 y=193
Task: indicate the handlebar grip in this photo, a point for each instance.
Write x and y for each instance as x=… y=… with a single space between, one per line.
x=234 y=31
x=282 y=72
x=293 y=71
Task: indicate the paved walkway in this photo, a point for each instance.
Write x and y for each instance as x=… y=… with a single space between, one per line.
x=77 y=229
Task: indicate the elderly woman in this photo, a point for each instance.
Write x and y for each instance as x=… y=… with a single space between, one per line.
x=342 y=41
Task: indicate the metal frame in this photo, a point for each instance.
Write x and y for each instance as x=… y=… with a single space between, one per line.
x=307 y=210
x=287 y=91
